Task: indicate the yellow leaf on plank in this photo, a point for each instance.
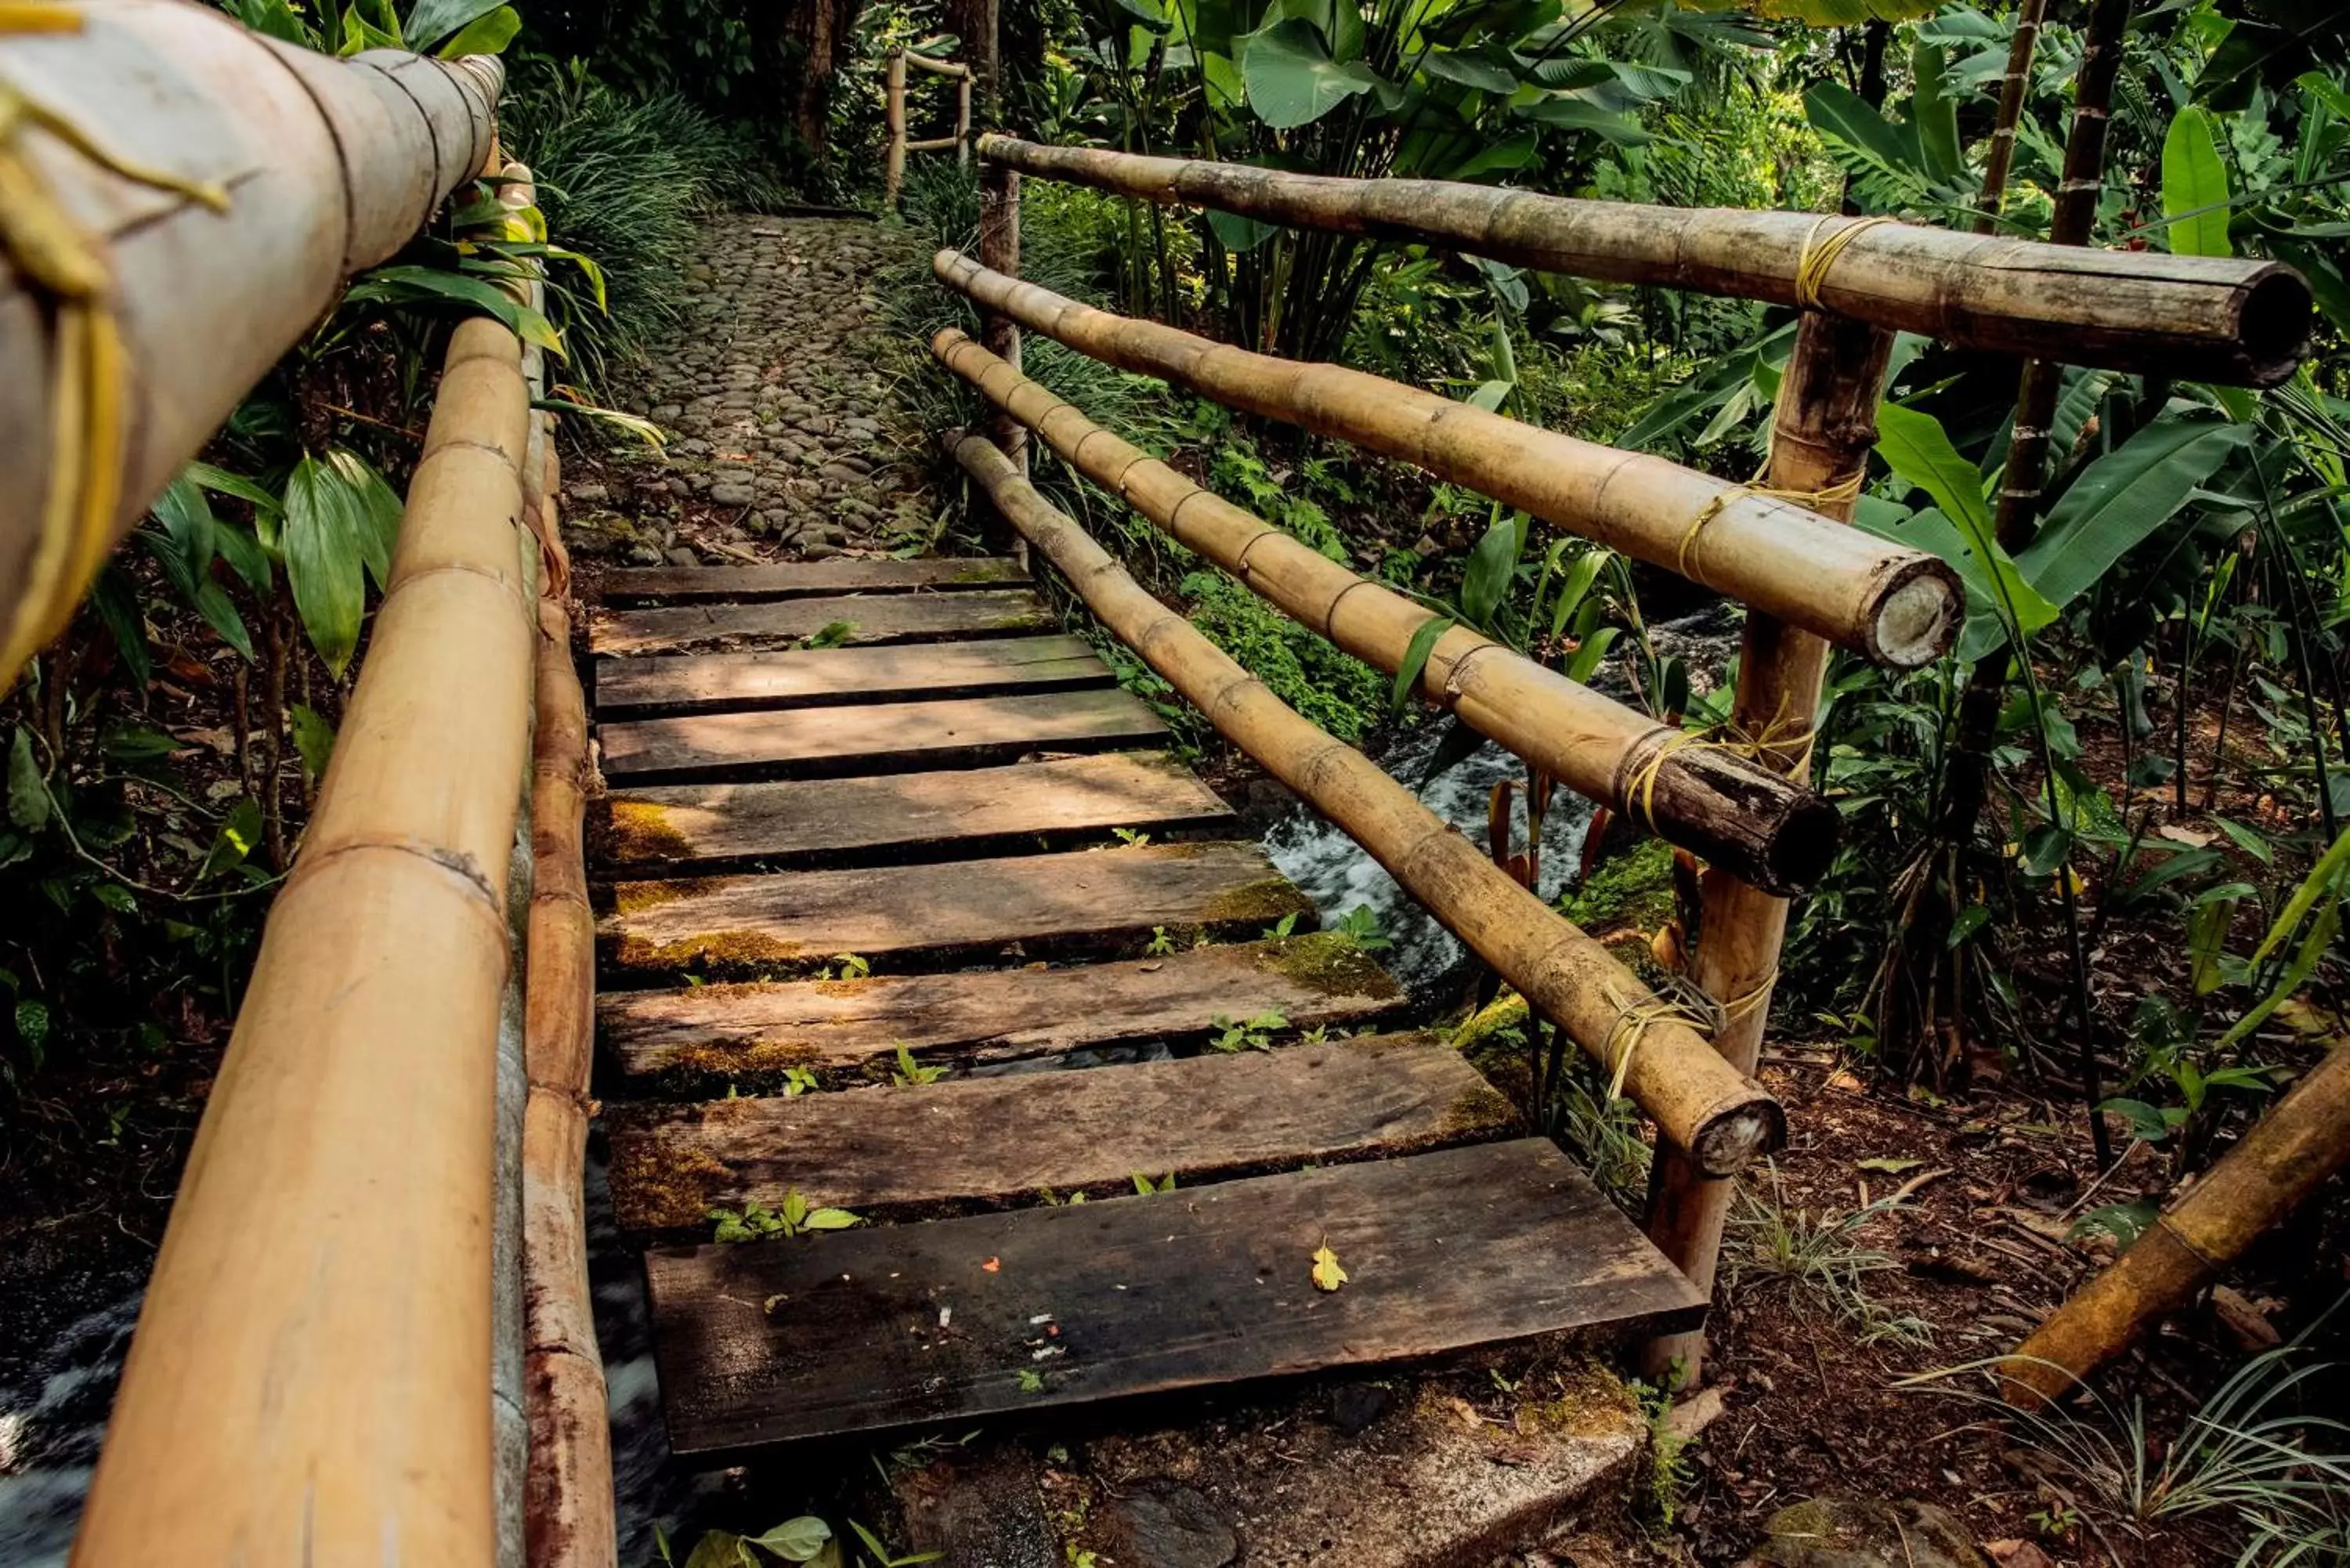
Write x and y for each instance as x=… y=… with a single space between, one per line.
x=1327 y=1274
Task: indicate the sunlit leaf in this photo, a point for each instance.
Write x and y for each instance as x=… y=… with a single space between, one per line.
x=2194 y=186
x=487 y=34
x=1291 y=80
x=325 y=559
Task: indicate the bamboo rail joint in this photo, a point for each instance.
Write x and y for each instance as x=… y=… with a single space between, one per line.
x=1710 y=799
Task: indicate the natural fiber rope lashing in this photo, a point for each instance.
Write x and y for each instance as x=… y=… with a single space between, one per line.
x=1836 y=495
x=1640 y=790
x=1634 y=1019
x=69 y=267
x=1818 y=256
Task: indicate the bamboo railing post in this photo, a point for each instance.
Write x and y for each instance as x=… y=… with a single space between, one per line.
x=962 y=120
x=1721 y=1117
x=999 y=251
x=893 y=114
x=1821 y=435
x=2013 y=85
x=2272 y=1170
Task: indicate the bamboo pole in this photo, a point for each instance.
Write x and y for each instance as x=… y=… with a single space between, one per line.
x=1821 y=433
x=248 y=179
x=937 y=66
x=999 y=251
x=2291 y=1152
x=1707 y=798
x=567 y=1499
x=311 y=1378
x=2207 y=318
x=1897 y=606
x=1722 y=1116
x=2014 y=83
x=893 y=115
x=962 y=121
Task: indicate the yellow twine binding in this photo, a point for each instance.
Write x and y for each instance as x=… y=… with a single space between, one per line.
x=59 y=258
x=1819 y=255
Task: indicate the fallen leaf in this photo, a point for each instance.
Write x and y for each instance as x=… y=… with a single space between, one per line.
x=1842 y=1079
x=2187 y=835
x=1890 y=1167
x=1327 y=1274
x=993 y=1265
x=2018 y=1555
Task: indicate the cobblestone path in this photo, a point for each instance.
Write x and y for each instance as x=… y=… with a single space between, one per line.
x=785 y=440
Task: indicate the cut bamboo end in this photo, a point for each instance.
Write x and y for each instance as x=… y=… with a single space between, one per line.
x=2199 y=317
x=1698 y=1101
x=1788 y=561
x=1706 y=798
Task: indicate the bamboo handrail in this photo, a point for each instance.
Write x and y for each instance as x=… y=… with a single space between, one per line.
x=1698 y=1101
x=1708 y=798
x=252 y=178
x=2288 y=1155
x=893 y=116
x=310 y=1379
x=2199 y=317
x=936 y=67
x=1897 y=606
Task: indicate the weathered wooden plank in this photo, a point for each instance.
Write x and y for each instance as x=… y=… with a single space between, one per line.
x=650 y=831
x=880 y=1330
x=1089 y=898
x=963 y=730
x=807 y=579
x=814 y=677
x=996 y=1141
x=754 y=1031
x=870 y=617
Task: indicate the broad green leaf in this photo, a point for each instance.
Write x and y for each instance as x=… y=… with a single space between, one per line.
x=431 y=21
x=830 y=1219
x=487 y=34
x=187 y=519
x=220 y=481
x=244 y=554
x=1825 y=13
x=1573 y=114
x=1935 y=114
x=1226 y=87
x=1838 y=112
x=377 y=507
x=2194 y=186
x=117 y=604
x=795 y=1540
x=1500 y=156
x=1415 y=660
x=1486 y=579
x=432 y=285
x=220 y=613
x=29 y=793
x=1470 y=67
x=271 y=18
x=1914 y=445
x=2122 y=498
x=1293 y=80
x=1238 y=234
x=1586 y=659
x=314 y=738
x=359 y=33
x=1579 y=578
x=326 y=560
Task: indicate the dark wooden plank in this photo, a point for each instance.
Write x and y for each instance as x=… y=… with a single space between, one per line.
x=871 y=617
x=807 y=579
x=1090 y=897
x=841 y=1334
x=815 y=677
x=968 y=731
x=650 y=831
x=754 y=1031
x=994 y=1141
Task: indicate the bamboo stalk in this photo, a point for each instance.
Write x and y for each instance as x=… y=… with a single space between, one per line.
x=323 y=167
x=999 y=250
x=2014 y=83
x=962 y=121
x=1708 y=799
x=934 y=144
x=311 y=1378
x=567 y=1499
x=1897 y=606
x=2208 y=319
x=937 y=66
x=2288 y=1155
x=1821 y=433
x=893 y=116
x=1722 y=1116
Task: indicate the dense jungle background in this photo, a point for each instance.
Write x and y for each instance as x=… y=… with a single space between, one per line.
x=2085 y=922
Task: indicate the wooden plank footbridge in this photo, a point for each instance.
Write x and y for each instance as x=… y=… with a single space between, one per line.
x=367 y=1337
